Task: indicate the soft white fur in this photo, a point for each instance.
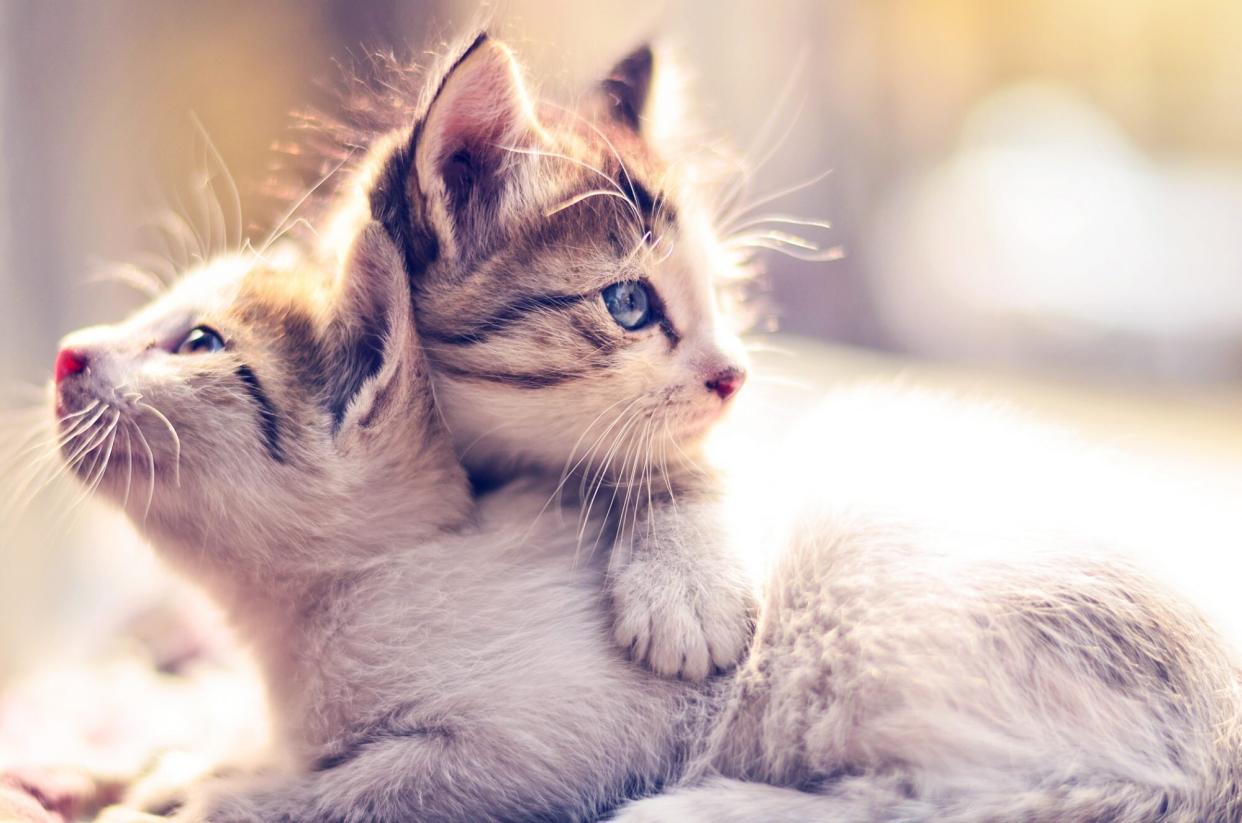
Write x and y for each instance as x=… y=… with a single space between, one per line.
x=944 y=636
x=480 y=669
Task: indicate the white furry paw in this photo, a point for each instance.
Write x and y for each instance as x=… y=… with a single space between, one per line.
x=679 y=624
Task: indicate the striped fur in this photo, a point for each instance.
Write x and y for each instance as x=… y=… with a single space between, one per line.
x=430 y=659
x=424 y=658
x=514 y=215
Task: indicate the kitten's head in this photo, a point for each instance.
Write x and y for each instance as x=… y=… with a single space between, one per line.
x=565 y=272
x=255 y=414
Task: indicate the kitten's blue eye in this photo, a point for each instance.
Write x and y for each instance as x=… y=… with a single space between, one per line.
x=629 y=303
x=201 y=340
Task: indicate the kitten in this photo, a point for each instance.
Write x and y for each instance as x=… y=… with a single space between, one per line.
x=565 y=276
x=272 y=433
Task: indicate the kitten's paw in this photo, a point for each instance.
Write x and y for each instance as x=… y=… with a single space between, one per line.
x=677 y=625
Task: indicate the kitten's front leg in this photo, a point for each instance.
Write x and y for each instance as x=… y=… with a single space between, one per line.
x=295 y=799
x=682 y=600
x=397 y=773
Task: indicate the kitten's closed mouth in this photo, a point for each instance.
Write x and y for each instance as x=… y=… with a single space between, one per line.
x=695 y=418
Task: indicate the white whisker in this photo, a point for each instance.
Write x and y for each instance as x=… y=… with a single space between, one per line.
x=668 y=483
x=141 y=280
x=629 y=181
x=817 y=255
x=200 y=252
x=173 y=433
x=584 y=196
x=151 y=471
x=601 y=476
x=280 y=228
x=748 y=170
x=566 y=470
x=228 y=177
x=785 y=219
x=557 y=156
x=129 y=465
x=770 y=197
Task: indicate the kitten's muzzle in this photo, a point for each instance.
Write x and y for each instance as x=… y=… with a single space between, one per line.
x=70 y=362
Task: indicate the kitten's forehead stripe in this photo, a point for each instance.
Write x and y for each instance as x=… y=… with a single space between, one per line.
x=520 y=380
x=653 y=208
x=499 y=322
x=330 y=360
x=642 y=198
x=291 y=326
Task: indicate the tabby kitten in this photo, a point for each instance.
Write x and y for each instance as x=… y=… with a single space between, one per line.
x=565 y=276
x=271 y=432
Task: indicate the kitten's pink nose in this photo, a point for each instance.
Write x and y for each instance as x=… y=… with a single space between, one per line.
x=68 y=362
x=726 y=382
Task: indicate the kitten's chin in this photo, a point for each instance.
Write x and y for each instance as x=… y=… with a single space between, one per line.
x=128 y=480
x=691 y=428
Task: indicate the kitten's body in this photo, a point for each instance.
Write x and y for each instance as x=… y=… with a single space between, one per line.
x=904 y=683
x=423 y=660
x=949 y=632
x=469 y=677
x=422 y=666
x=516 y=216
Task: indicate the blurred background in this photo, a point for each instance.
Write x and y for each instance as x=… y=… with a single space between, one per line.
x=1047 y=185
x=1042 y=198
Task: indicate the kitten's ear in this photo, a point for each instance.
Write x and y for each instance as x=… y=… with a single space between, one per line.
x=374 y=361
x=622 y=96
x=464 y=147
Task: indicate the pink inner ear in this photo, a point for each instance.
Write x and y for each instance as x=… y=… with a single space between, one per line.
x=481 y=106
x=474 y=128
